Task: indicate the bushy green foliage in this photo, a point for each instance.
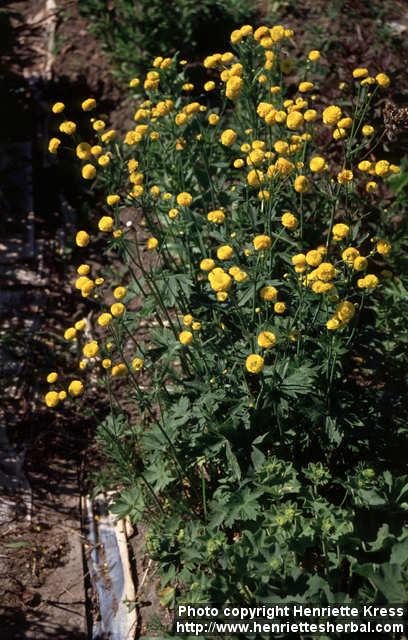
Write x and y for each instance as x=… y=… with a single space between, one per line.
x=133 y=31
x=265 y=455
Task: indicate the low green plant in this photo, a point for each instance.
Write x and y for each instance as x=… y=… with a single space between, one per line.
x=242 y=350
x=132 y=32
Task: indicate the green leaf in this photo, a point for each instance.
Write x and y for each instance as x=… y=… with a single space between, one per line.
x=386 y=578
x=399 y=554
x=130 y=503
x=18 y=545
x=233 y=462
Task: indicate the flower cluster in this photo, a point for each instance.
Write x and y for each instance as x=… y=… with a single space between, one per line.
x=246 y=215
x=262 y=228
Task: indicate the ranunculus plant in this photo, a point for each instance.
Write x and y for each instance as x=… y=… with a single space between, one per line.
x=250 y=225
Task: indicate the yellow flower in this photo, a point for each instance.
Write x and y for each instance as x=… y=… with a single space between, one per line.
x=262 y=242
x=117 y=309
x=279 y=307
x=255 y=178
x=331 y=115
x=222 y=296
x=58 y=107
x=383 y=80
x=108 y=136
x=225 y=252
x=344 y=176
x=106 y=363
x=333 y=323
x=80 y=325
x=98 y=125
x=365 y=165
x=339 y=133
x=266 y=339
x=371 y=186
x=105 y=223
x=360 y=263
x=314 y=258
x=382 y=168
x=228 y=137
x=152 y=243
x=305 y=86
x=62 y=395
x=104 y=160
x=349 y=255
x=314 y=55
x=268 y=293
x=370 y=281
x=96 y=150
x=173 y=213
x=118 y=370
x=82 y=238
x=340 y=231
x=217 y=216
x=360 y=72
x=207 y=264
x=239 y=163
x=219 y=280
x=112 y=199
x=53 y=145
x=137 y=364
x=254 y=363
x=367 y=130
x=255 y=157
x=326 y=271
x=233 y=88
x=209 y=86
x=184 y=199
x=91 y=349
x=240 y=276
x=196 y=326
x=185 y=337
x=317 y=164
x=310 y=115
x=213 y=119
x=88 y=104
x=236 y=36
x=345 y=123
x=264 y=194
x=104 y=319
x=81 y=282
x=119 y=293
x=383 y=247
x=88 y=172
x=345 y=311
x=51 y=399
x=83 y=151
x=294 y=120
x=289 y=221
x=68 y=127
x=321 y=287
x=76 y=388
x=299 y=261
x=301 y=184
x=187 y=319
x=70 y=333
x=52 y=377
x=134 y=82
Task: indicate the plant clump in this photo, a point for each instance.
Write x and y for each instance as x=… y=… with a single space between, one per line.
x=258 y=257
